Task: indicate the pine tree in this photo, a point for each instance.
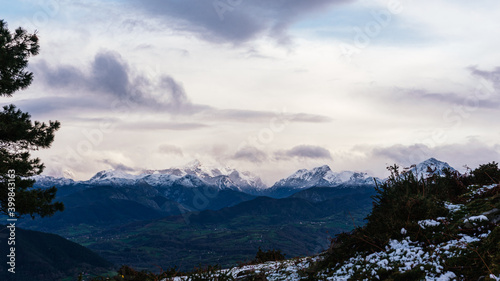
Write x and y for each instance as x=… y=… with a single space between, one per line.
x=19 y=135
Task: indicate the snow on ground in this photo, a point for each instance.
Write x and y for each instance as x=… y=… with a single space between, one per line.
x=477 y=218
x=405 y=255
x=482 y=189
x=428 y=223
x=401 y=255
x=275 y=270
x=453 y=207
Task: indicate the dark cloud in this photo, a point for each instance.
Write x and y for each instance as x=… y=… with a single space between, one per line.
x=170 y=149
x=118 y=166
x=304 y=151
x=114 y=87
x=111 y=77
x=234 y=21
x=250 y=153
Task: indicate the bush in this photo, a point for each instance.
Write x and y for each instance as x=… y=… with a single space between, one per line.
x=486 y=174
x=270 y=255
x=400 y=202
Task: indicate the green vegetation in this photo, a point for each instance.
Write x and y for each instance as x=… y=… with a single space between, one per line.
x=401 y=208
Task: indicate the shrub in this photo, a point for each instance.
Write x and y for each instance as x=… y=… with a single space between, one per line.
x=270 y=255
x=486 y=174
x=400 y=202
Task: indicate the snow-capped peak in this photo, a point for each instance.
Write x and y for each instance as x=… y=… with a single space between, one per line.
x=192 y=174
x=322 y=176
x=49 y=181
x=112 y=177
x=430 y=167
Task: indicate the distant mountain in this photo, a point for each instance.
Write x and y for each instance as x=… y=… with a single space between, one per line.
x=224 y=178
x=113 y=197
x=430 y=167
x=47 y=257
x=318 y=177
x=48 y=181
x=193 y=174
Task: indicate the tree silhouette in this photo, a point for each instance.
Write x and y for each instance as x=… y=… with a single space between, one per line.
x=19 y=135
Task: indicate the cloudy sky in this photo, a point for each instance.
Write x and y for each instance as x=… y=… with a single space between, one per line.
x=264 y=86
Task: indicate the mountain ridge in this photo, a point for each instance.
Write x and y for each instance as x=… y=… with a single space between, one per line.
x=196 y=175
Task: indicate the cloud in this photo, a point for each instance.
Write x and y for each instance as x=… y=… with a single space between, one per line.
x=154 y=126
x=170 y=150
x=419 y=95
x=404 y=154
x=250 y=153
x=471 y=153
x=118 y=166
x=234 y=21
x=304 y=151
x=111 y=78
x=492 y=76
x=264 y=116
x=115 y=87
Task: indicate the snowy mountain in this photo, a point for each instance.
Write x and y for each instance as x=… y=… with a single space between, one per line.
x=112 y=177
x=193 y=174
x=223 y=178
x=323 y=176
x=48 y=181
x=430 y=167
x=196 y=174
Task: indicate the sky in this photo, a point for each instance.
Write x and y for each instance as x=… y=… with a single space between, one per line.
x=264 y=86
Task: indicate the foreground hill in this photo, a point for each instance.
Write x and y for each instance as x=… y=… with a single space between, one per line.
x=43 y=256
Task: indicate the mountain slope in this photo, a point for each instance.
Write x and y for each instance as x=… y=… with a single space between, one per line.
x=295 y=225
x=47 y=257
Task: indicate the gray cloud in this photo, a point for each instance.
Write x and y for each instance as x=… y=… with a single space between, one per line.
x=472 y=153
x=170 y=149
x=113 y=86
x=304 y=151
x=405 y=155
x=264 y=116
x=118 y=166
x=148 y=125
x=492 y=76
x=422 y=95
x=111 y=77
x=250 y=153
x=234 y=21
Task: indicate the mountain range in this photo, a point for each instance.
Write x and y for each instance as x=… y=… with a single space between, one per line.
x=164 y=216
x=182 y=184
x=196 y=174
